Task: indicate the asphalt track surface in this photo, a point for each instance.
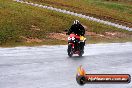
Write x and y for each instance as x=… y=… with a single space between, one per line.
x=50 y=67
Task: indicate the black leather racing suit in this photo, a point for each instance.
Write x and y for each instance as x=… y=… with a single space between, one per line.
x=79 y=30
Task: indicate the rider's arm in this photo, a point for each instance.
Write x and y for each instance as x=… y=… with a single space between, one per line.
x=70 y=30
x=82 y=29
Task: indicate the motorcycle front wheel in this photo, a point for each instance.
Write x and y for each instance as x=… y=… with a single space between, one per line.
x=69 y=50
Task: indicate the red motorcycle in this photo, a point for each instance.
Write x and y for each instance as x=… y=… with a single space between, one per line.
x=74 y=44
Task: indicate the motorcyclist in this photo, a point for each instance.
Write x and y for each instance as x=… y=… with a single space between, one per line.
x=78 y=29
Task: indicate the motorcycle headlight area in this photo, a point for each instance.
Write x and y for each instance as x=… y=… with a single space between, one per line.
x=73 y=38
x=69 y=38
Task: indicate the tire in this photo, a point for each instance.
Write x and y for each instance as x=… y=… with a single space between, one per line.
x=80 y=54
x=81 y=48
x=70 y=53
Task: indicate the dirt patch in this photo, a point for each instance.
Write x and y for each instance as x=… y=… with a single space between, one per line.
x=117 y=34
x=59 y=36
x=63 y=36
x=107 y=35
x=90 y=33
x=30 y=39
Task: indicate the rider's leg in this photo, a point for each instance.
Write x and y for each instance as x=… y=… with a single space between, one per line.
x=82 y=46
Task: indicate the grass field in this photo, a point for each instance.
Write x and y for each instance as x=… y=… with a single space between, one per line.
x=112 y=10
x=21 y=22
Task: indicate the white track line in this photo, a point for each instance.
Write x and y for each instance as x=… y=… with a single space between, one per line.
x=76 y=14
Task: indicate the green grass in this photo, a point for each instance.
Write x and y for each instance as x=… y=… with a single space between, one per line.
x=97 y=8
x=16 y=21
x=118 y=6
